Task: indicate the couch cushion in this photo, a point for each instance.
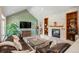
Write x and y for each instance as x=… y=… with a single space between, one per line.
x=60 y=47
x=44 y=44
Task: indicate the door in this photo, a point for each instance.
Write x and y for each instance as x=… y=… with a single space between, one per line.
x=46 y=26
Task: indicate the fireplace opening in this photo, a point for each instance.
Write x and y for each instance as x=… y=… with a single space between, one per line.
x=56 y=33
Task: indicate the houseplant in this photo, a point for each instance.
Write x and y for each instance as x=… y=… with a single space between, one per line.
x=12 y=29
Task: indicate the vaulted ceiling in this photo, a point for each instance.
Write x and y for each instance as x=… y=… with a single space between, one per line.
x=38 y=11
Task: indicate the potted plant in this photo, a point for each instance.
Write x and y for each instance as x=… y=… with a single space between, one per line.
x=12 y=29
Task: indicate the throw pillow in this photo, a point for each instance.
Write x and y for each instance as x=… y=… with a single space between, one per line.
x=17 y=42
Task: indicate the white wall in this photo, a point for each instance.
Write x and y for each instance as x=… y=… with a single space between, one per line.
x=57 y=14
x=2 y=25
x=52 y=12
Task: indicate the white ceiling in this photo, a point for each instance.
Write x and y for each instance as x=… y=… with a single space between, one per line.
x=49 y=11
x=8 y=10
x=38 y=11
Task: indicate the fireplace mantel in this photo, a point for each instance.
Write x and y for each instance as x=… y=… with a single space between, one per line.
x=56 y=26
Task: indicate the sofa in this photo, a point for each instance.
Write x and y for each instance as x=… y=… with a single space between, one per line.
x=58 y=48
x=14 y=44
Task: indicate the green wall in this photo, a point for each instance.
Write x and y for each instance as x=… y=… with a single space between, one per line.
x=23 y=16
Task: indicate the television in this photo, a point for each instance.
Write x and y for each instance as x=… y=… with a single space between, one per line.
x=25 y=24
x=56 y=33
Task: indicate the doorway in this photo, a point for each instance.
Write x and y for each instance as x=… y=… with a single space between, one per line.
x=71 y=25
x=46 y=26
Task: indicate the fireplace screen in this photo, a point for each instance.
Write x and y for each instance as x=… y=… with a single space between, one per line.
x=56 y=33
